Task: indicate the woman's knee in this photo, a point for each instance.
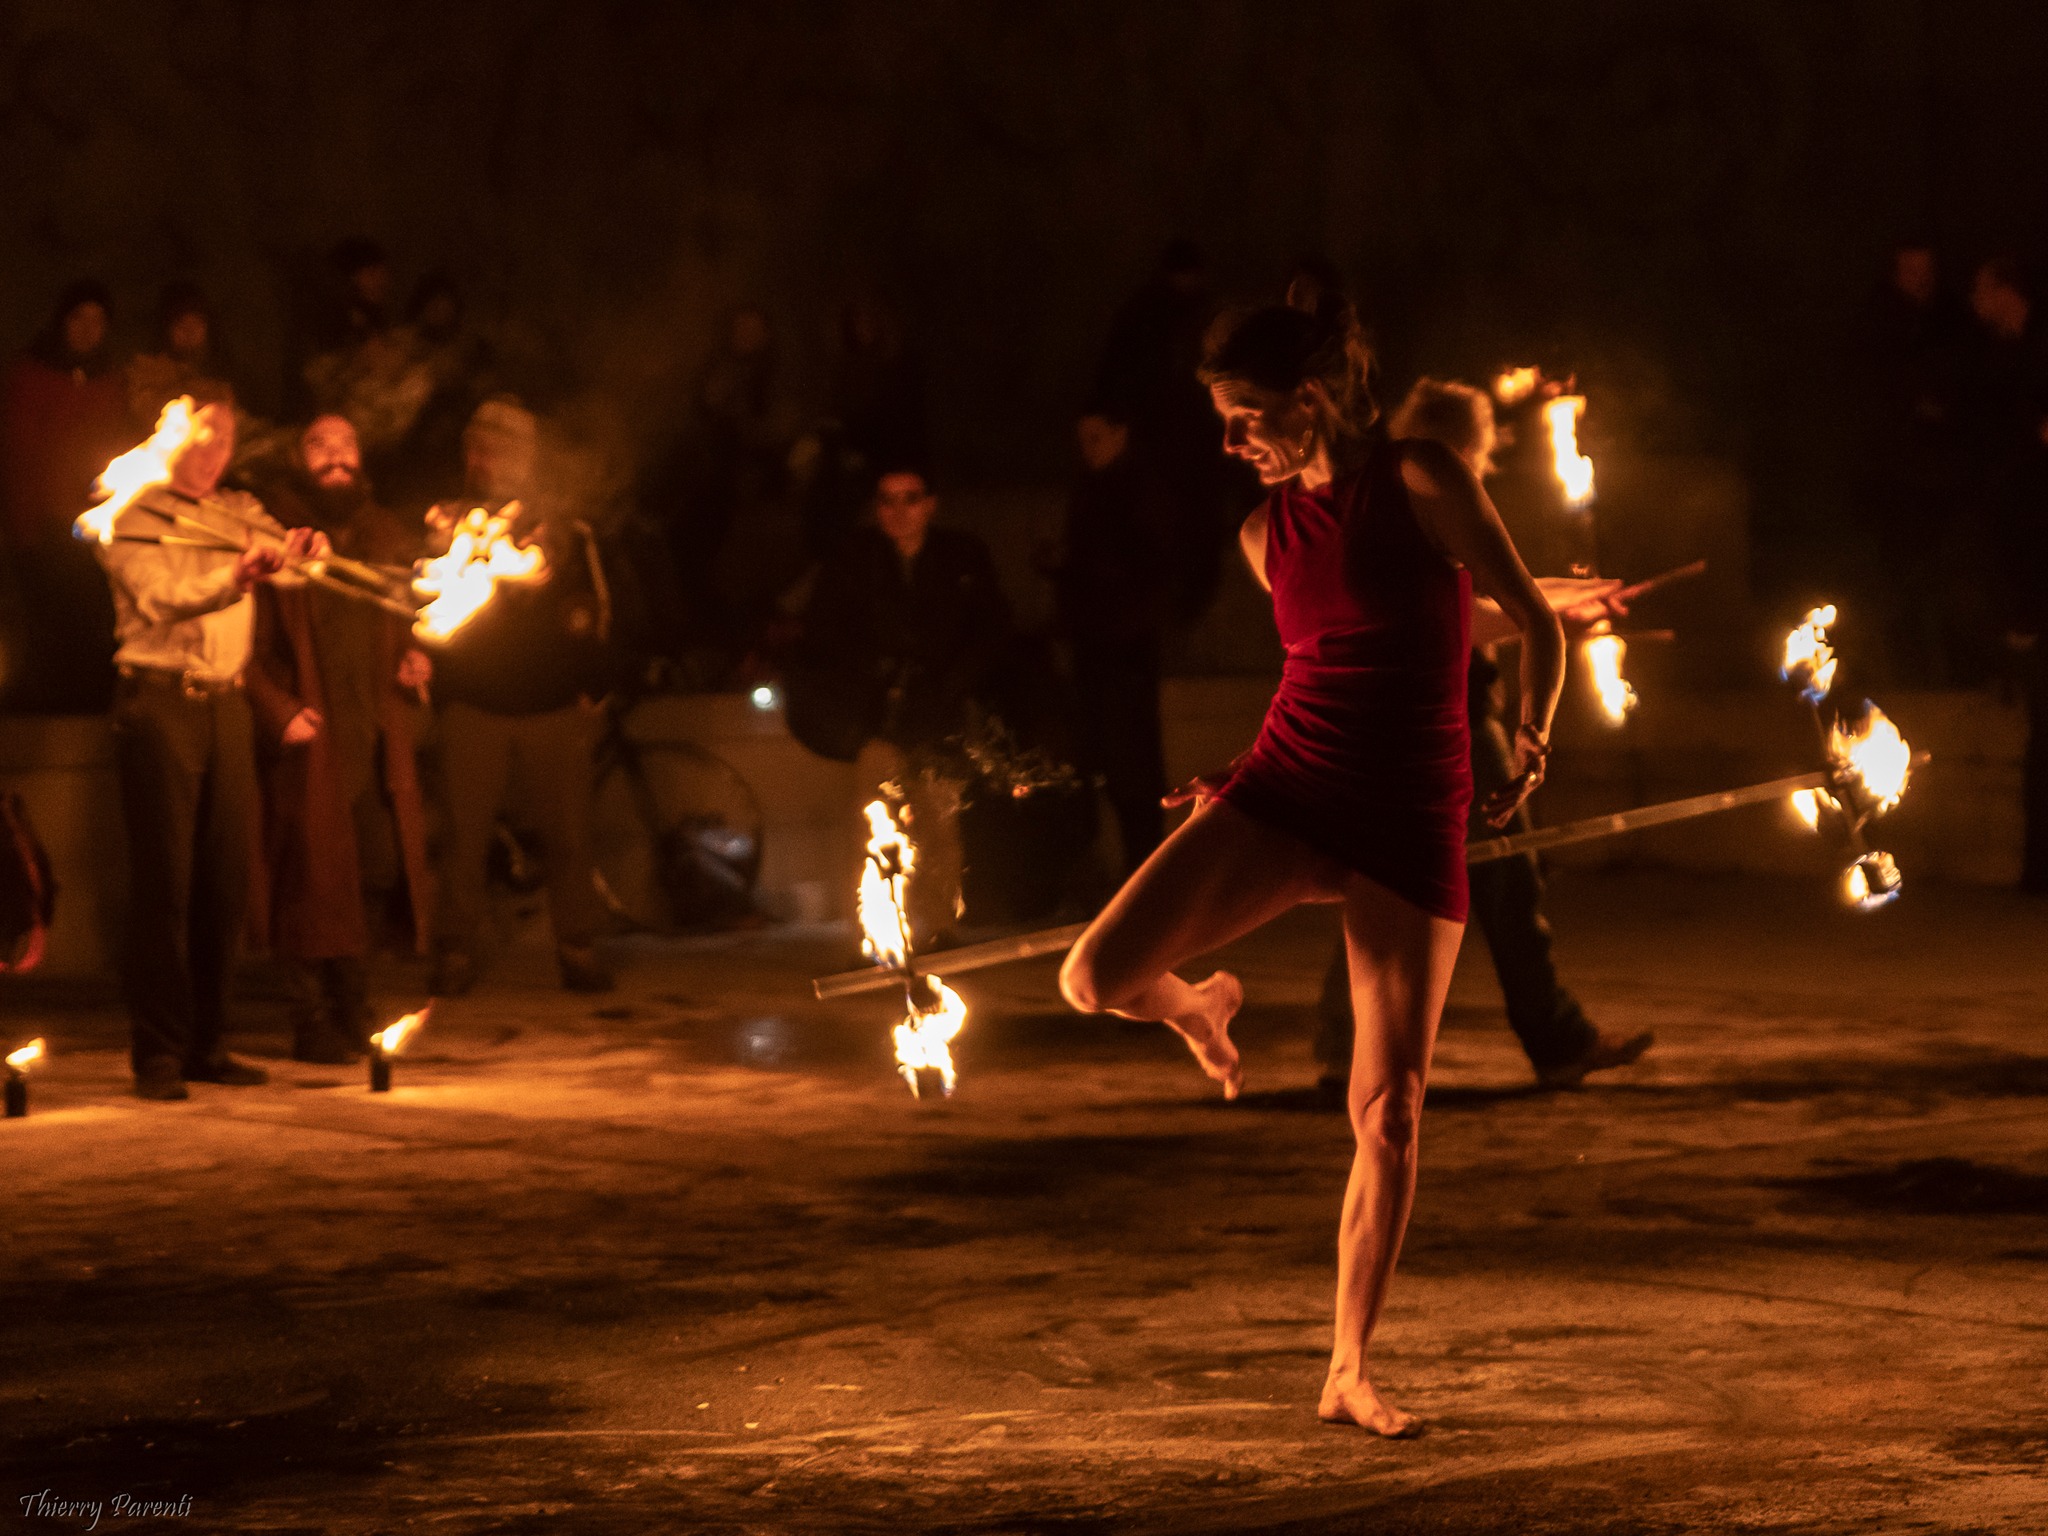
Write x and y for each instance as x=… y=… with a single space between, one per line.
x=1387 y=1115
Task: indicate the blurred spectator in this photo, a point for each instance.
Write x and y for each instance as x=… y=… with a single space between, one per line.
x=1905 y=380
x=63 y=417
x=360 y=306
x=729 y=463
x=905 y=642
x=1114 y=585
x=2004 y=431
x=515 y=690
x=335 y=688
x=455 y=371
x=184 y=361
x=1146 y=381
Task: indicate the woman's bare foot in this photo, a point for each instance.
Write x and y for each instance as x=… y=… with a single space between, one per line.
x=1354 y=1401
x=1208 y=1032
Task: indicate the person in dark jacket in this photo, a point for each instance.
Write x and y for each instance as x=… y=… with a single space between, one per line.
x=63 y=417
x=908 y=631
x=1115 y=596
x=515 y=690
x=335 y=688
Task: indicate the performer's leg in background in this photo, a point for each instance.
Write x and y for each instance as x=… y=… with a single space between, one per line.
x=555 y=772
x=1401 y=960
x=476 y=765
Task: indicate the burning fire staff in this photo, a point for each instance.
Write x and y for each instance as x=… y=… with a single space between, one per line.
x=335 y=687
x=1562 y=1044
x=1356 y=791
x=182 y=743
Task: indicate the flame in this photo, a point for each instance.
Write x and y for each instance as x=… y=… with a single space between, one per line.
x=480 y=555
x=1511 y=386
x=146 y=464
x=1809 y=659
x=925 y=1037
x=27 y=1056
x=1877 y=754
x=1574 y=470
x=392 y=1037
x=1603 y=659
x=1807 y=805
x=1872 y=881
x=884 y=888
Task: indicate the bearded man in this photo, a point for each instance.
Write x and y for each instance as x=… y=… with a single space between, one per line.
x=337 y=690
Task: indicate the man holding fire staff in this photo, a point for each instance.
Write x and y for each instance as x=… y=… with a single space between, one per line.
x=336 y=689
x=1562 y=1044
x=516 y=691
x=183 y=750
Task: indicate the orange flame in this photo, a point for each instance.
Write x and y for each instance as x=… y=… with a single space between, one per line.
x=1604 y=655
x=883 y=902
x=1573 y=469
x=1511 y=386
x=480 y=555
x=148 y=463
x=925 y=1037
x=391 y=1038
x=1872 y=881
x=1809 y=659
x=1877 y=754
x=1807 y=804
x=27 y=1056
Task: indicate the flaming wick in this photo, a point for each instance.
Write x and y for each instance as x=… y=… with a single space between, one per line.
x=1604 y=653
x=388 y=1042
x=933 y=1012
x=1573 y=469
x=18 y=1063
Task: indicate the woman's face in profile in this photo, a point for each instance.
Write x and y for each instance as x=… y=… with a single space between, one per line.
x=1272 y=432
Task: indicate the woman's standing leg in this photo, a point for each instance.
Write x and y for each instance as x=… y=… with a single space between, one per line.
x=1401 y=960
x=1219 y=876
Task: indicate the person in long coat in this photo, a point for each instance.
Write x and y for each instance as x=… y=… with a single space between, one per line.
x=336 y=686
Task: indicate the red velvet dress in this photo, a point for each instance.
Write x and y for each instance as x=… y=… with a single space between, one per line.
x=1365 y=752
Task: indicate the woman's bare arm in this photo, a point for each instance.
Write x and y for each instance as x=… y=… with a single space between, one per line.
x=1251 y=538
x=1458 y=518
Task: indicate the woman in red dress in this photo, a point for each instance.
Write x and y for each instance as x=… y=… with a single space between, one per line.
x=1357 y=789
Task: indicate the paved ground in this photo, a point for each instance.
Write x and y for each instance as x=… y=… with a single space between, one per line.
x=693 y=1260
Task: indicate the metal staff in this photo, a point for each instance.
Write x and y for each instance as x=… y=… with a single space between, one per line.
x=1023 y=946
x=308 y=570
x=357 y=569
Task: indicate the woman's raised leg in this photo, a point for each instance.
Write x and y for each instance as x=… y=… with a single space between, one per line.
x=1401 y=960
x=1220 y=875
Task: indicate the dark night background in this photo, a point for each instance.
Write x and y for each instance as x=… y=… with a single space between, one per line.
x=1684 y=202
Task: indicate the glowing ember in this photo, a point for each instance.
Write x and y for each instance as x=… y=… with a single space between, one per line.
x=27 y=1056
x=1809 y=659
x=1574 y=470
x=1876 y=754
x=885 y=888
x=1604 y=654
x=145 y=465
x=1872 y=881
x=391 y=1038
x=1807 y=804
x=480 y=555
x=1514 y=385
x=925 y=1037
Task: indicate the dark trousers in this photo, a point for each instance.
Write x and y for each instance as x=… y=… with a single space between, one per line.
x=550 y=754
x=188 y=793
x=1116 y=692
x=1507 y=904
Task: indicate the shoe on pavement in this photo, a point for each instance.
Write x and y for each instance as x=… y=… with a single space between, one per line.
x=159 y=1079
x=227 y=1072
x=1605 y=1052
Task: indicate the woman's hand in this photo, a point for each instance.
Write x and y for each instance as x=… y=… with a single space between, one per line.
x=302 y=727
x=1202 y=788
x=302 y=544
x=415 y=671
x=1532 y=757
x=1581 y=601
